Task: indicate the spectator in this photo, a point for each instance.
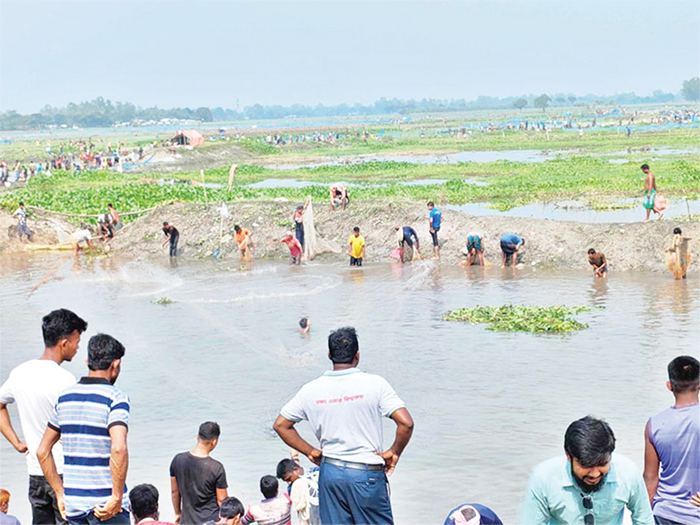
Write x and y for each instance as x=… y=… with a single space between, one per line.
x=144 y=505
x=588 y=482
x=274 y=509
x=5 y=518
x=231 y=512
x=344 y=407
x=91 y=419
x=35 y=386
x=673 y=443
x=198 y=481
x=303 y=489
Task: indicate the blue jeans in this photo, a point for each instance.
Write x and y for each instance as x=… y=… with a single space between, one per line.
x=353 y=497
x=123 y=518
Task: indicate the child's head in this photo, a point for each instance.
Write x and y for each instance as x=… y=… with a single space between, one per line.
x=684 y=374
x=356 y=230
x=304 y=322
x=231 y=511
x=268 y=486
x=677 y=231
x=4 y=500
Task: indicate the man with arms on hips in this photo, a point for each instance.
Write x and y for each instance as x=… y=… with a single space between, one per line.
x=198 y=481
x=673 y=443
x=35 y=386
x=588 y=485
x=91 y=419
x=345 y=407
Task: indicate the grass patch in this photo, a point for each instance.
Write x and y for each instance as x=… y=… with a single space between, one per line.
x=163 y=301
x=510 y=318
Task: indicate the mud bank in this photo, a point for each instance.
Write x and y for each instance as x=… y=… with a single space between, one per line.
x=550 y=244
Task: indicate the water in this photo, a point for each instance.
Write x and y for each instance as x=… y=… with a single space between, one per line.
x=488 y=406
x=580 y=212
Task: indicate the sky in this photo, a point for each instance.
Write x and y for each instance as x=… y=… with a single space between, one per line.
x=233 y=53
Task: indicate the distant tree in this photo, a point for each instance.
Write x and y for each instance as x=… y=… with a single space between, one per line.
x=572 y=99
x=542 y=102
x=520 y=103
x=203 y=114
x=691 y=89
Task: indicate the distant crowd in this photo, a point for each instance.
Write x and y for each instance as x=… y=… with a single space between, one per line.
x=75 y=443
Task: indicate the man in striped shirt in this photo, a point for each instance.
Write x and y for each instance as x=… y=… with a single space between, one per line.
x=91 y=419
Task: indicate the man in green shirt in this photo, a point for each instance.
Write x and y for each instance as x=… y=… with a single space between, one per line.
x=588 y=485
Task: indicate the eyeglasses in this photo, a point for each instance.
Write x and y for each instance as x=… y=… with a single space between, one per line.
x=588 y=518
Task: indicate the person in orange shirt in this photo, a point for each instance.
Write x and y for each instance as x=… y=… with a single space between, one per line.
x=245 y=245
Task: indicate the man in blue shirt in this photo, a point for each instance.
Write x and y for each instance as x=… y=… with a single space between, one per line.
x=434 y=221
x=510 y=245
x=589 y=485
x=92 y=420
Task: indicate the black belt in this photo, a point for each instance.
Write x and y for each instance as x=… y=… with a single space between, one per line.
x=352 y=464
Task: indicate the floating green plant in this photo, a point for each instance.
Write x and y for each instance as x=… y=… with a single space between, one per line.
x=510 y=318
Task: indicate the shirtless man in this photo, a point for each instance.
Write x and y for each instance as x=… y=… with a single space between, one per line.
x=650 y=192
x=599 y=263
x=339 y=195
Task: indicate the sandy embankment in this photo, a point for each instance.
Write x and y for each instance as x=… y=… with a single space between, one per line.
x=553 y=244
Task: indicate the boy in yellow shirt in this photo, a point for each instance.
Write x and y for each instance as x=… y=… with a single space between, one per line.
x=356 y=249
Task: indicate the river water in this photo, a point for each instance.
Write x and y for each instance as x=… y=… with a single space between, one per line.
x=487 y=405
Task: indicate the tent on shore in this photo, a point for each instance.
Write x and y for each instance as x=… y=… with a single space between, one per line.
x=188 y=137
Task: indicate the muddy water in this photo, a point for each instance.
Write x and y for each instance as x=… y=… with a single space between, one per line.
x=488 y=406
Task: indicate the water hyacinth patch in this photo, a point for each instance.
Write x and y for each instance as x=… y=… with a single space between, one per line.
x=512 y=318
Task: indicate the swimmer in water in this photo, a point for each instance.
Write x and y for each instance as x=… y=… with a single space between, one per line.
x=305 y=325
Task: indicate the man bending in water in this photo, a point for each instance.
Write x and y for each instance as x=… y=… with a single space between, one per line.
x=406 y=236
x=599 y=263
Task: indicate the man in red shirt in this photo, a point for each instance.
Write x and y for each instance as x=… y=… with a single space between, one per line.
x=295 y=248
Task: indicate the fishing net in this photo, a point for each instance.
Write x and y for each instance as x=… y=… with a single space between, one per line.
x=313 y=244
x=678 y=260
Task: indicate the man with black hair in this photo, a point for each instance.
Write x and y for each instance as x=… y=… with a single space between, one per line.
x=672 y=440
x=231 y=511
x=599 y=263
x=198 y=481
x=345 y=407
x=92 y=420
x=144 y=505
x=35 y=386
x=305 y=325
x=172 y=235
x=302 y=488
x=274 y=509
x=588 y=485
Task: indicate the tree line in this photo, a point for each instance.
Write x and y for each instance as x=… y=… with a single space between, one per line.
x=102 y=113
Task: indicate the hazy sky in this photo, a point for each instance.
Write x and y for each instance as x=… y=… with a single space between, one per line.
x=211 y=53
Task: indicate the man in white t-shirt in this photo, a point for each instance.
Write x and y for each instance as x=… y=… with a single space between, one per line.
x=345 y=407
x=35 y=386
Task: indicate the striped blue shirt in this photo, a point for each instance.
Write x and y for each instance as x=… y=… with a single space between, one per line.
x=83 y=416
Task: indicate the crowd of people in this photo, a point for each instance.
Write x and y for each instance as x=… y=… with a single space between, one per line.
x=75 y=443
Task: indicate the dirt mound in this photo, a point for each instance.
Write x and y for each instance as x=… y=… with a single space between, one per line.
x=177 y=159
x=46 y=229
x=554 y=244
